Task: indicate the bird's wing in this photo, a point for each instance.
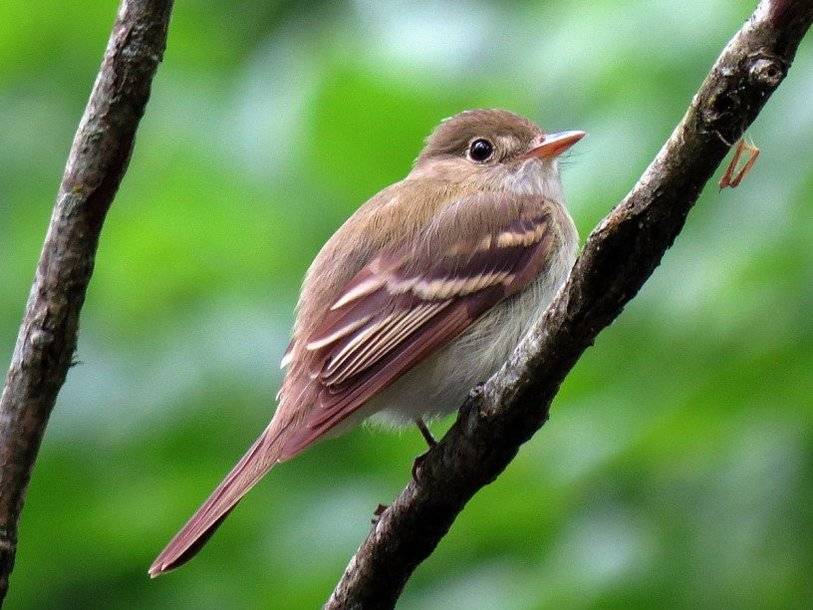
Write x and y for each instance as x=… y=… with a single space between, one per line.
x=404 y=305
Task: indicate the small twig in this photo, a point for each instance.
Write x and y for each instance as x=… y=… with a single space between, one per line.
x=96 y=164
x=732 y=177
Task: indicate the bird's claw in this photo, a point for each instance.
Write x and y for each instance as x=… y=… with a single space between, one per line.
x=379 y=510
x=477 y=391
x=472 y=399
x=416 y=465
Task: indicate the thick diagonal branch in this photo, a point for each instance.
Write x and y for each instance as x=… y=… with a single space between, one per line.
x=96 y=163
x=620 y=254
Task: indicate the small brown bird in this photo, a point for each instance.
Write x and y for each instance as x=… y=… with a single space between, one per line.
x=420 y=295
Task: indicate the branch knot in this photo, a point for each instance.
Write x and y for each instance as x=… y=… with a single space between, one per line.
x=766 y=72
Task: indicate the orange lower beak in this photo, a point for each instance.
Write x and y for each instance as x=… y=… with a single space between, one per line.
x=554 y=144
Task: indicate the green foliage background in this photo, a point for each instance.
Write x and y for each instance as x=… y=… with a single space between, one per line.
x=677 y=468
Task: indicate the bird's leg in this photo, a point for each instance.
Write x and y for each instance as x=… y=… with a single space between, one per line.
x=430 y=440
x=426 y=432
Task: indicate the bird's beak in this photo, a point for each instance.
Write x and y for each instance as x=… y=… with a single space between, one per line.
x=551 y=145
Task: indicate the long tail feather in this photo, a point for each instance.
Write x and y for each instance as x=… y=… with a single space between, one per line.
x=258 y=460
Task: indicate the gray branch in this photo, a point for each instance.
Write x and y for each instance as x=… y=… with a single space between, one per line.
x=620 y=254
x=96 y=164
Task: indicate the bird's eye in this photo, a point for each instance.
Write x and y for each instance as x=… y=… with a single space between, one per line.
x=481 y=150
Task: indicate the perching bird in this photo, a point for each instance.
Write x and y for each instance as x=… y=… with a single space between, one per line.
x=420 y=295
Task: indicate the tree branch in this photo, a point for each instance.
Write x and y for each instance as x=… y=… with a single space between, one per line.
x=620 y=254
x=47 y=337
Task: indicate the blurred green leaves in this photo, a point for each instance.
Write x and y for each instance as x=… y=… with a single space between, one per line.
x=676 y=470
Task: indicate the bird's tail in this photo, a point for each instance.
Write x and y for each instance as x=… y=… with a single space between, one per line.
x=259 y=459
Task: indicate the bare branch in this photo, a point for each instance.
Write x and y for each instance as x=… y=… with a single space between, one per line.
x=96 y=163
x=620 y=254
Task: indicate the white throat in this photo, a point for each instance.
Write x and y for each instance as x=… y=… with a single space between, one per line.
x=535 y=178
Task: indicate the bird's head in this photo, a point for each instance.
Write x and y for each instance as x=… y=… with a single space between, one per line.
x=496 y=150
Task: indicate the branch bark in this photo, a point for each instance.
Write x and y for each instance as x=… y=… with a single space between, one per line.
x=620 y=254
x=96 y=164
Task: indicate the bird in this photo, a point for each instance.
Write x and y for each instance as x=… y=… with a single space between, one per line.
x=420 y=295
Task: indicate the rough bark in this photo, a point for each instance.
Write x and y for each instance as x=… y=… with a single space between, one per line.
x=620 y=254
x=48 y=333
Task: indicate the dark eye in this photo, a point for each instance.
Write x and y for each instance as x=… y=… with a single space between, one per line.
x=481 y=150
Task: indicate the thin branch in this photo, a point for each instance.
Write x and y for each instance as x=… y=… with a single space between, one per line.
x=620 y=254
x=96 y=164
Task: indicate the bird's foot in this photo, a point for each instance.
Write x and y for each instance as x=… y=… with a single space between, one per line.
x=472 y=399
x=379 y=510
x=416 y=465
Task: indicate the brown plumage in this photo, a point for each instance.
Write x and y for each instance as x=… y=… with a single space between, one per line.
x=420 y=294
